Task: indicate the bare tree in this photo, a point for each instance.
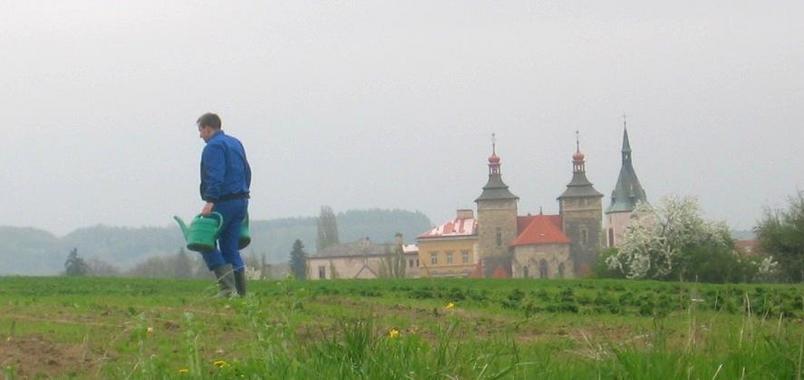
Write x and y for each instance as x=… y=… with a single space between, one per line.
x=327 y=229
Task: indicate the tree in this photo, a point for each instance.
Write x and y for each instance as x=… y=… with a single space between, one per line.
x=602 y=269
x=672 y=241
x=298 y=260
x=781 y=235
x=327 y=229
x=393 y=262
x=98 y=267
x=154 y=267
x=75 y=265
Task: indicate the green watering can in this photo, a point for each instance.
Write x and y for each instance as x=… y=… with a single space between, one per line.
x=202 y=232
x=245 y=234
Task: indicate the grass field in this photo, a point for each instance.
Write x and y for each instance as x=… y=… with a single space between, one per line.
x=399 y=329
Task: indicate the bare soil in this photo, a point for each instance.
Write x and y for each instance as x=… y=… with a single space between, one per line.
x=34 y=356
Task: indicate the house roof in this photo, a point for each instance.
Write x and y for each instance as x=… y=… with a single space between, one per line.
x=748 y=247
x=540 y=229
x=458 y=227
x=410 y=248
x=362 y=247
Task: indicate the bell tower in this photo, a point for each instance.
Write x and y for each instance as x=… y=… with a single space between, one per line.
x=496 y=218
x=581 y=209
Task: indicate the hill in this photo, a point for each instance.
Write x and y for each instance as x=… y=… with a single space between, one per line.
x=29 y=251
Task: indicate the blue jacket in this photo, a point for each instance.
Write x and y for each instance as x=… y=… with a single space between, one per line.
x=225 y=173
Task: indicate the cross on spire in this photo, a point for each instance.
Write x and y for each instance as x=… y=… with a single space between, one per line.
x=494 y=143
x=577 y=140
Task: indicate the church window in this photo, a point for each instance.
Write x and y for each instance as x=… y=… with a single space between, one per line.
x=584 y=236
x=433 y=258
x=449 y=257
x=525 y=271
x=322 y=272
x=611 y=237
x=410 y=263
x=465 y=257
x=561 y=270
x=499 y=237
x=543 y=269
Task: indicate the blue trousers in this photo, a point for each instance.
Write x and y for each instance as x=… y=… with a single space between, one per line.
x=228 y=251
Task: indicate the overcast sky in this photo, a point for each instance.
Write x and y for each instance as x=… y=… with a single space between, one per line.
x=392 y=104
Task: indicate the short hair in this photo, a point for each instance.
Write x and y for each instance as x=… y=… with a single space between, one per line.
x=209 y=119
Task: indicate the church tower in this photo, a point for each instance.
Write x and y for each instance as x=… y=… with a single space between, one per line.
x=581 y=210
x=496 y=219
x=627 y=193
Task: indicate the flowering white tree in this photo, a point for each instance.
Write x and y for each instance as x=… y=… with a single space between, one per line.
x=658 y=240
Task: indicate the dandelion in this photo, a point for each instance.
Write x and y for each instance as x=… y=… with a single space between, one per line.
x=449 y=306
x=220 y=364
x=184 y=371
x=393 y=333
x=149 y=330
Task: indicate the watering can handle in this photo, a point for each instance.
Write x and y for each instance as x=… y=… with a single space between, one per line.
x=220 y=220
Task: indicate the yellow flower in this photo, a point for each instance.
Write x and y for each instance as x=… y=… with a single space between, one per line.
x=149 y=330
x=449 y=306
x=184 y=371
x=220 y=364
x=393 y=333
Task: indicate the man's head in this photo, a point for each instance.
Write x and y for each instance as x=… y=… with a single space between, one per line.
x=208 y=125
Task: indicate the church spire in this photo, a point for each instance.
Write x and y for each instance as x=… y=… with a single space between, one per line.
x=626 y=151
x=495 y=188
x=628 y=191
x=494 y=160
x=580 y=185
x=578 y=162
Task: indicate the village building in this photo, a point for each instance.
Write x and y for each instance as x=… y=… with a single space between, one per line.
x=626 y=195
x=541 y=250
x=497 y=242
x=364 y=259
x=501 y=243
x=450 y=249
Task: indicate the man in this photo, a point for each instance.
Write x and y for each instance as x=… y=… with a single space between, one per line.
x=225 y=183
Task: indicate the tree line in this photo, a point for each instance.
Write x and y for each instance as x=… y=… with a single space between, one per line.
x=672 y=241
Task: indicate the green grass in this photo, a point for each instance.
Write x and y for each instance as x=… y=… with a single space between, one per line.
x=522 y=329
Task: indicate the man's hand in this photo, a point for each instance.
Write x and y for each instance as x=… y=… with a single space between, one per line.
x=207 y=209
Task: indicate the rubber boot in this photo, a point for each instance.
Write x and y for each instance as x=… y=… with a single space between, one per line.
x=240 y=282
x=226 y=282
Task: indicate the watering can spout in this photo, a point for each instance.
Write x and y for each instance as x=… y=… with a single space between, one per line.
x=202 y=233
x=182 y=225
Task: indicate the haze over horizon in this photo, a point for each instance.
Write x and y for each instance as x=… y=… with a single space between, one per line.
x=392 y=105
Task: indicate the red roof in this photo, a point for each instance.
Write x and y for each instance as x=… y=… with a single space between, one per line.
x=454 y=228
x=540 y=229
x=748 y=247
x=522 y=222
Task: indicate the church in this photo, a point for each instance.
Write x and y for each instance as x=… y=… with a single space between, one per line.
x=500 y=243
